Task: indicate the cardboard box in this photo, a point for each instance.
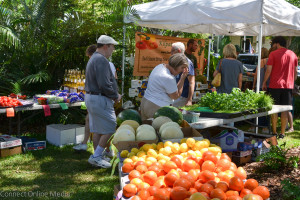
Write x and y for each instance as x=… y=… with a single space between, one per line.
x=200 y=86
x=241 y=160
x=242 y=153
x=116 y=191
x=188 y=132
x=133 y=92
x=36 y=145
x=136 y=83
x=7 y=141
x=60 y=135
x=11 y=151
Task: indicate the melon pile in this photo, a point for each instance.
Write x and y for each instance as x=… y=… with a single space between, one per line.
x=195 y=170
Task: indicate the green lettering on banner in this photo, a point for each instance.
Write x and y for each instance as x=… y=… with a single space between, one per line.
x=83 y=106
x=63 y=106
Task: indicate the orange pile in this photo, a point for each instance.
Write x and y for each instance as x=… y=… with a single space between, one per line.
x=210 y=175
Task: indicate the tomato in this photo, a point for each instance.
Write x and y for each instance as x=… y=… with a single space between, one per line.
x=141 y=45
x=152 y=45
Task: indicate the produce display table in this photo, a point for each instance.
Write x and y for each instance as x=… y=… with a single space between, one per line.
x=205 y=122
x=35 y=107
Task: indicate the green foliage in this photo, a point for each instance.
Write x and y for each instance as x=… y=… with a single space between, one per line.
x=236 y=101
x=290 y=191
x=276 y=158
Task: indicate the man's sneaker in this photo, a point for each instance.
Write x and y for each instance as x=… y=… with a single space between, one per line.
x=281 y=136
x=110 y=153
x=80 y=147
x=99 y=162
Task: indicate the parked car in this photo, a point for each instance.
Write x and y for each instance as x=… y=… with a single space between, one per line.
x=249 y=61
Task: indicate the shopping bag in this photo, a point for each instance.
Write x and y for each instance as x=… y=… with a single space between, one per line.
x=217 y=79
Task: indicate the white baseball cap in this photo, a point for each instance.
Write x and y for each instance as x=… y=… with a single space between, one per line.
x=104 y=39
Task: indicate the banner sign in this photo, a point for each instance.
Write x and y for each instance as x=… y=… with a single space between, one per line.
x=152 y=50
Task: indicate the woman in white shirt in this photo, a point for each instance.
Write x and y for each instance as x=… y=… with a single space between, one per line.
x=162 y=88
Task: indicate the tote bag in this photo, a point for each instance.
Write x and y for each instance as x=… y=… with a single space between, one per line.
x=217 y=79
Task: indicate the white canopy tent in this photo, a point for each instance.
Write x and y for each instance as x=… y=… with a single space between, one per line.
x=221 y=17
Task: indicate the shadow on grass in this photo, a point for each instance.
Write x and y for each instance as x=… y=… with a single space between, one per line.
x=59 y=171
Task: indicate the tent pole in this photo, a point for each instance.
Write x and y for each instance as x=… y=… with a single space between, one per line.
x=208 y=56
x=258 y=67
x=244 y=43
x=123 y=60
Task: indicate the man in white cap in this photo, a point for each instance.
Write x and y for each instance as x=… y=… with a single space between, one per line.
x=101 y=93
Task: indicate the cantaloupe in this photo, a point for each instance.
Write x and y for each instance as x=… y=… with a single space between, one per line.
x=166 y=125
x=123 y=135
x=159 y=121
x=172 y=132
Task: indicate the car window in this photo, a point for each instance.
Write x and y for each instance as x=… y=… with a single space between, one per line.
x=251 y=60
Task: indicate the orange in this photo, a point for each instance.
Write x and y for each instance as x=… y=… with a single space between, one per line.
x=198 y=185
x=236 y=184
x=162 y=194
x=169 y=165
x=170 y=178
x=139 y=163
x=206 y=188
x=193 y=190
x=137 y=182
x=136 y=198
x=233 y=167
x=194 y=173
x=208 y=165
x=251 y=184
x=144 y=194
x=252 y=197
x=224 y=164
x=144 y=186
x=241 y=173
x=134 y=174
x=232 y=193
x=177 y=161
x=218 y=193
x=152 y=190
x=212 y=182
x=182 y=183
x=244 y=192
x=157 y=164
x=206 y=153
x=127 y=167
x=223 y=186
x=160 y=183
x=225 y=156
x=129 y=190
x=211 y=157
x=189 y=178
x=142 y=168
x=188 y=165
x=262 y=191
x=207 y=176
x=150 y=177
x=234 y=198
x=156 y=169
x=179 y=193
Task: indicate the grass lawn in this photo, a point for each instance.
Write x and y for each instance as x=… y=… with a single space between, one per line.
x=57 y=171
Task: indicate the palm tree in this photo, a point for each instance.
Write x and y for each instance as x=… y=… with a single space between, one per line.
x=8 y=36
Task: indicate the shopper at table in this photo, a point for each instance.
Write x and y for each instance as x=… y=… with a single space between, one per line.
x=282 y=70
x=101 y=93
x=189 y=82
x=162 y=88
x=231 y=70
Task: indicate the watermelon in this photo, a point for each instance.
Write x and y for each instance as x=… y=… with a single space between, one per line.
x=169 y=111
x=128 y=114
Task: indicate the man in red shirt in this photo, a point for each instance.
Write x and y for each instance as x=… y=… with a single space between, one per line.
x=282 y=70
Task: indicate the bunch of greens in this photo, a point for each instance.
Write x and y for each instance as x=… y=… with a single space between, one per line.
x=236 y=101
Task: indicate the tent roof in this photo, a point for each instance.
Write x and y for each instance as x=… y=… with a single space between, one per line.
x=221 y=17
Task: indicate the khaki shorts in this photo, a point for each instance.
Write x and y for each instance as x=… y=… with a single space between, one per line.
x=148 y=109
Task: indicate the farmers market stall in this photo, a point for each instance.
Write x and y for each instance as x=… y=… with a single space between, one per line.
x=40 y=103
x=206 y=122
